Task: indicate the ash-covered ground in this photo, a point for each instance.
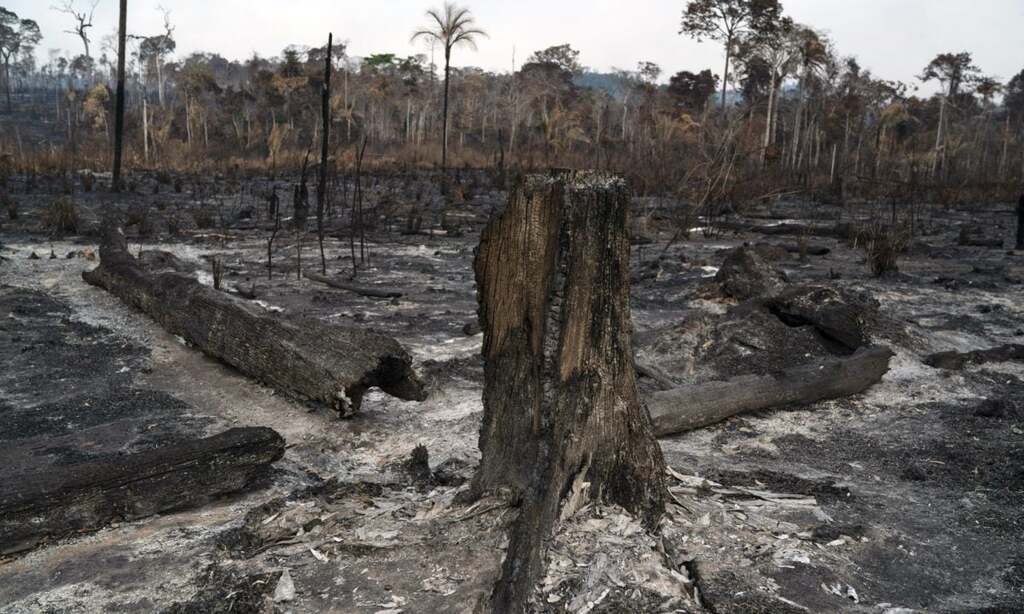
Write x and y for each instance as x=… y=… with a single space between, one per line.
x=908 y=498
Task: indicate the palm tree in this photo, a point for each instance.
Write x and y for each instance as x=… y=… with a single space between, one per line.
x=451 y=26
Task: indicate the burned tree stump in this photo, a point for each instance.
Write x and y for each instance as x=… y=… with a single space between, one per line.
x=329 y=364
x=560 y=397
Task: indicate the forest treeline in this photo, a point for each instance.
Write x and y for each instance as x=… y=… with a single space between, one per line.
x=794 y=114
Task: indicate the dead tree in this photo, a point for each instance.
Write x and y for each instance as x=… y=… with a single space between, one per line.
x=329 y=364
x=83 y=20
x=119 y=109
x=357 y=211
x=560 y=397
x=325 y=110
x=1020 y=223
x=300 y=212
x=275 y=213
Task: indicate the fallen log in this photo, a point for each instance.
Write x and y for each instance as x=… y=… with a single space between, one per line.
x=329 y=364
x=981 y=242
x=59 y=502
x=368 y=291
x=692 y=407
x=955 y=361
x=810 y=250
x=835 y=231
x=974 y=236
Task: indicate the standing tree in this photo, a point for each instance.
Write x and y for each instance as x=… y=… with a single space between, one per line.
x=325 y=112
x=17 y=36
x=452 y=26
x=119 y=108
x=776 y=51
x=83 y=20
x=952 y=71
x=726 y=21
x=692 y=91
x=153 y=51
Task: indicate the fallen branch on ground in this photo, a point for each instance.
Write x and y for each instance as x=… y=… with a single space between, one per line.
x=369 y=291
x=955 y=361
x=691 y=407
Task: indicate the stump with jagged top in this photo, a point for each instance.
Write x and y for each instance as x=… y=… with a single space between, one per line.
x=560 y=402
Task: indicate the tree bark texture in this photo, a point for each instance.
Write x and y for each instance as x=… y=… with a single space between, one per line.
x=560 y=397
x=325 y=363
x=692 y=407
x=58 y=502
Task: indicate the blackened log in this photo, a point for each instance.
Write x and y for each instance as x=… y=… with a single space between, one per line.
x=61 y=501
x=329 y=364
x=368 y=291
x=955 y=361
x=560 y=397
x=692 y=407
x=835 y=231
x=841 y=315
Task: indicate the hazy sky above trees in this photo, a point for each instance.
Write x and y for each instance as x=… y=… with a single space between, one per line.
x=893 y=38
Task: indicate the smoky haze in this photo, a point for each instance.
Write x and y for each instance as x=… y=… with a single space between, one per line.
x=892 y=38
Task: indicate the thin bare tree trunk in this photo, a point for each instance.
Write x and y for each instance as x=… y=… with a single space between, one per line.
x=119 y=106
x=321 y=194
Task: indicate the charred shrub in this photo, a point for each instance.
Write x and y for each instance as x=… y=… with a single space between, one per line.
x=140 y=218
x=203 y=218
x=10 y=205
x=61 y=216
x=163 y=178
x=883 y=244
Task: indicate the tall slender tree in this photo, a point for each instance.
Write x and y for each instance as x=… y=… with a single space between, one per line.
x=451 y=26
x=727 y=21
x=325 y=114
x=119 y=108
x=17 y=36
x=953 y=71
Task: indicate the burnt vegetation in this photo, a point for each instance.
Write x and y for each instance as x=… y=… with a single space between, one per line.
x=340 y=331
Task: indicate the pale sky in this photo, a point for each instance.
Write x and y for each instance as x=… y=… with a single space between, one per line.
x=893 y=38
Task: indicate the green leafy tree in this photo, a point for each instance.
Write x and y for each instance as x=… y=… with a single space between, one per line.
x=1014 y=99
x=953 y=71
x=563 y=57
x=727 y=21
x=692 y=90
x=17 y=37
x=451 y=26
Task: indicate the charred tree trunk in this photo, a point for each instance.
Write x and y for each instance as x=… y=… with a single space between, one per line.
x=119 y=108
x=86 y=496
x=560 y=398
x=321 y=194
x=692 y=407
x=1020 y=223
x=330 y=364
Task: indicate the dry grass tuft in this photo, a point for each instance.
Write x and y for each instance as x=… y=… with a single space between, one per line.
x=883 y=244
